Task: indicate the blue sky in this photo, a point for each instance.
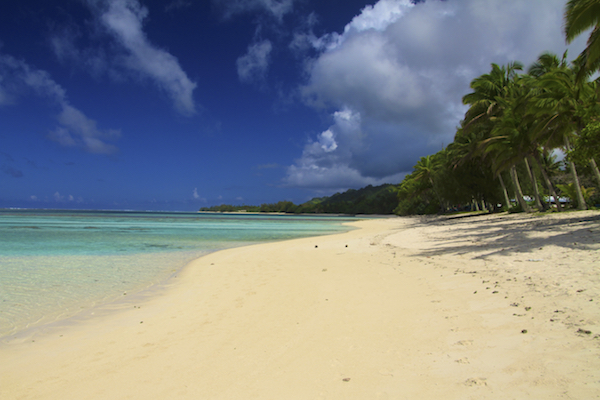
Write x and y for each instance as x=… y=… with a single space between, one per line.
x=181 y=104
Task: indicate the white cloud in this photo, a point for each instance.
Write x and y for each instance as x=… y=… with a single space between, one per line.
x=79 y=130
x=92 y=60
x=75 y=128
x=123 y=21
x=379 y=16
x=342 y=157
x=254 y=64
x=129 y=51
x=400 y=70
x=327 y=141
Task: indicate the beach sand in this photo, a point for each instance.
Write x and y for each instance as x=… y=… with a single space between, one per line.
x=479 y=307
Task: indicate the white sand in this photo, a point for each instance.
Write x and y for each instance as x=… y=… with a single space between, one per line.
x=486 y=307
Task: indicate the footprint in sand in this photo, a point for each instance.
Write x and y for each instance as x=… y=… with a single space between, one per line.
x=476 y=382
x=464 y=343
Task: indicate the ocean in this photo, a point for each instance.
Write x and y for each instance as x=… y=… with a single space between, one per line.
x=55 y=264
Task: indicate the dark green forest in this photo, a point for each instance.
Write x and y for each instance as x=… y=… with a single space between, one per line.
x=369 y=200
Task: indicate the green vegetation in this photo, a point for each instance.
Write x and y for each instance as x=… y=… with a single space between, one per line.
x=504 y=146
x=369 y=200
x=515 y=121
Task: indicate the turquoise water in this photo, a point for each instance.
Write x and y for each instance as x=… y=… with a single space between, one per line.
x=54 y=264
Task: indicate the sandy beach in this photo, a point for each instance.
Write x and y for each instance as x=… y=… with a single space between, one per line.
x=471 y=307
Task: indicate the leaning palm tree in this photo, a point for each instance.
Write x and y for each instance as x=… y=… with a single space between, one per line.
x=512 y=130
x=466 y=148
x=587 y=145
x=425 y=170
x=488 y=102
x=581 y=15
x=487 y=89
x=559 y=107
x=548 y=165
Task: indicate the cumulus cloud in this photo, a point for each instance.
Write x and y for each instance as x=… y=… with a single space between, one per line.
x=129 y=51
x=275 y=8
x=335 y=159
x=254 y=64
x=396 y=76
x=75 y=129
x=123 y=21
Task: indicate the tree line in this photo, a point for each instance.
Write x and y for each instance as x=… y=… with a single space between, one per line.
x=504 y=151
x=368 y=200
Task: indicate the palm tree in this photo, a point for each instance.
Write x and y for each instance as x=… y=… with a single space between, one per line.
x=515 y=126
x=560 y=106
x=545 y=63
x=581 y=15
x=466 y=148
x=487 y=89
x=587 y=145
x=547 y=163
x=505 y=154
x=425 y=170
x=487 y=103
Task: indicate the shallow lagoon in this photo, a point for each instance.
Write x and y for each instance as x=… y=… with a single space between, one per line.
x=54 y=264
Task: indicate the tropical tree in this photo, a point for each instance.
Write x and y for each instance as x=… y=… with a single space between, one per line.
x=414 y=197
x=587 y=147
x=492 y=96
x=581 y=15
x=471 y=171
x=425 y=171
x=561 y=107
x=570 y=191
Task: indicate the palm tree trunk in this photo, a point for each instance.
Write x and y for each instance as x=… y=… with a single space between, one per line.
x=518 y=190
x=580 y=200
x=551 y=190
x=536 y=190
x=504 y=191
x=595 y=169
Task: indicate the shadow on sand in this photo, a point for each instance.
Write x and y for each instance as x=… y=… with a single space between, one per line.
x=504 y=234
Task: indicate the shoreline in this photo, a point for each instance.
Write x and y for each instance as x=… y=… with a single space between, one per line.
x=42 y=318
x=141 y=295
x=489 y=306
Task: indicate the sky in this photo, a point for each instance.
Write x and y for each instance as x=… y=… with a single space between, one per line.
x=181 y=104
